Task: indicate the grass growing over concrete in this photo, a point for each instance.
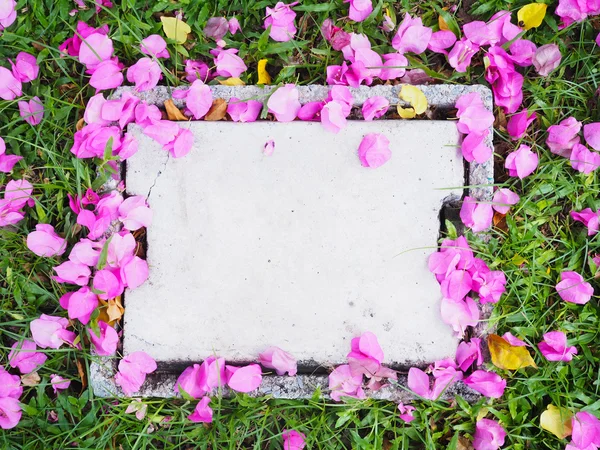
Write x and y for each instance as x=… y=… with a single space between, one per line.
x=538 y=242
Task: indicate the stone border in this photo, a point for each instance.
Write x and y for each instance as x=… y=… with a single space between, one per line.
x=480 y=179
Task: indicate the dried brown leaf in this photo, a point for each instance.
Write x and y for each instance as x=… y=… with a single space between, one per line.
x=217 y=111
x=31 y=379
x=173 y=112
x=82 y=375
x=80 y=124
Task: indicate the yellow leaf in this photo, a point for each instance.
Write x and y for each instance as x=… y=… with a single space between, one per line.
x=506 y=356
x=415 y=97
x=173 y=112
x=175 y=29
x=557 y=421
x=111 y=311
x=532 y=15
x=232 y=82
x=263 y=75
x=442 y=23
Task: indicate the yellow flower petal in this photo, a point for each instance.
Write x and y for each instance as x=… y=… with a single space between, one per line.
x=406 y=113
x=506 y=356
x=263 y=75
x=175 y=29
x=557 y=421
x=415 y=97
x=532 y=15
x=232 y=82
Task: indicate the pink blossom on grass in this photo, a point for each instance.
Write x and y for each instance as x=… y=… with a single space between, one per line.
x=228 y=64
x=51 y=331
x=133 y=370
x=394 y=66
x=375 y=107
x=563 y=137
x=292 y=439
x=574 y=289
x=480 y=33
x=489 y=435
x=8 y=13
x=419 y=383
x=504 y=199
x=92 y=140
x=586 y=431
x=82 y=304
x=343 y=384
x=25 y=68
x=546 y=59
x=107 y=75
x=284 y=103
x=522 y=162
x=234 y=25
x=73 y=273
x=281 y=20
x=477 y=216
x=7 y=162
x=10 y=385
x=145 y=73
x=104 y=344
x=411 y=36
x=189 y=382
x=459 y=314
x=23 y=355
x=475 y=148
x=441 y=40
x=337 y=37
x=197 y=70
x=359 y=9
x=94 y=49
x=216 y=28
x=522 y=52
x=584 y=160
x=591 y=133
x=202 y=413
x=374 y=150
x=281 y=361
x=518 y=123
x=10 y=87
x=32 y=111
x=589 y=218
x=107 y=284
x=406 y=412
x=489 y=384
x=10 y=409
x=154 y=45
x=45 y=242
x=241 y=111
x=554 y=347
x=469 y=353
x=244 y=379
x=59 y=383
x=461 y=54
x=490 y=284
x=457 y=285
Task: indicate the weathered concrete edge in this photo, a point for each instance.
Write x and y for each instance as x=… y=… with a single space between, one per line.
x=480 y=179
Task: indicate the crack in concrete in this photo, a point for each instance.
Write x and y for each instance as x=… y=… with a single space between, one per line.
x=160 y=172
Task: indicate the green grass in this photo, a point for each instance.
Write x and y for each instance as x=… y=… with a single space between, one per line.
x=540 y=240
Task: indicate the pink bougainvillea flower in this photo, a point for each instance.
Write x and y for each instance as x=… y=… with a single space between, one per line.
x=7 y=162
x=457 y=285
x=343 y=384
x=419 y=383
x=202 y=413
x=501 y=27
x=589 y=218
x=94 y=49
x=489 y=384
x=134 y=272
x=546 y=59
x=461 y=54
x=269 y=147
x=480 y=33
x=45 y=242
x=8 y=13
x=91 y=141
x=73 y=273
x=406 y=412
x=459 y=314
x=107 y=284
x=59 y=383
x=198 y=380
x=72 y=45
x=25 y=68
x=522 y=162
x=196 y=70
x=489 y=435
x=469 y=353
x=394 y=66
x=189 y=382
x=129 y=147
x=234 y=25
x=507 y=83
x=310 y=111
x=366 y=63
x=216 y=28
x=554 y=347
x=513 y=340
x=241 y=111
x=359 y=9
x=23 y=355
x=10 y=411
x=473 y=116
x=134 y=213
x=228 y=64
x=145 y=74
x=51 y=331
x=181 y=144
x=441 y=40
x=411 y=36
x=107 y=75
x=518 y=123
x=586 y=432
x=522 y=52
x=18 y=193
x=388 y=24
x=281 y=20
x=32 y=111
x=198 y=99
x=366 y=355
x=292 y=439
x=281 y=361
x=162 y=131
x=133 y=370
x=93 y=110
x=82 y=304
x=490 y=284
x=333 y=118
x=106 y=343
x=475 y=215
x=591 y=133
x=375 y=107
x=244 y=379
x=374 y=150
x=571 y=11
x=10 y=385
x=563 y=137
x=475 y=148
x=573 y=289
x=284 y=103
x=583 y=160
x=97 y=225
x=10 y=87
x=504 y=199
x=154 y=45
x=337 y=37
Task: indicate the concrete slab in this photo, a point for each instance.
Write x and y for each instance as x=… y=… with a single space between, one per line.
x=304 y=249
